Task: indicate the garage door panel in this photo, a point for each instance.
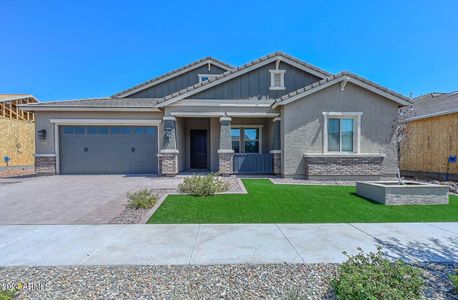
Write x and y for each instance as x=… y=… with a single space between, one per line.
x=105 y=150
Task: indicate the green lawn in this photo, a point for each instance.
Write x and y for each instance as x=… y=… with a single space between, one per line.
x=269 y=203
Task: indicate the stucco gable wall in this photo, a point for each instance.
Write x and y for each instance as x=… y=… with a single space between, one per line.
x=177 y=83
x=255 y=84
x=303 y=122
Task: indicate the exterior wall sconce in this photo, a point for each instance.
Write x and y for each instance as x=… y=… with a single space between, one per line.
x=42 y=134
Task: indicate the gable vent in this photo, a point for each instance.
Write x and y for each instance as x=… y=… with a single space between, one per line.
x=277 y=79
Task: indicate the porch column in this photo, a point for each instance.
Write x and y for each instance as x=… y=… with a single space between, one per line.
x=225 y=151
x=168 y=156
x=276 y=147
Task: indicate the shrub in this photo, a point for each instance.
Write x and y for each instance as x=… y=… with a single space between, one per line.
x=8 y=294
x=143 y=199
x=371 y=276
x=203 y=185
x=454 y=279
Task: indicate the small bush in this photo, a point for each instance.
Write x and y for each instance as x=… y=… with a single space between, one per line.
x=143 y=199
x=203 y=185
x=454 y=279
x=371 y=276
x=8 y=294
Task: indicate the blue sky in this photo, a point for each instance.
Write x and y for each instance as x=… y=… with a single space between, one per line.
x=78 y=49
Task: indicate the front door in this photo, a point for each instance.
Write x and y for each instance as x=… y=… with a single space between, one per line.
x=199 y=149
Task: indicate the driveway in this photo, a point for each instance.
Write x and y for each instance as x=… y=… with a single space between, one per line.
x=194 y=244
x=71 y=199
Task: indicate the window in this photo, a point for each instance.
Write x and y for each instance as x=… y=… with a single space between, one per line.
x=341 y=132
x=205 y=77
x=277 y=79
x=74 y=130
x=246 y=139
x=92 y=130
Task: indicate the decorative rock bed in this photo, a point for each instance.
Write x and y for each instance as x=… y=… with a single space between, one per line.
x=408 y=193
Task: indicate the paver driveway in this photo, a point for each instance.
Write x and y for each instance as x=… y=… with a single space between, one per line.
x=71 y=199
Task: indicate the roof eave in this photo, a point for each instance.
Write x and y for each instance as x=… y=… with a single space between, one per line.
x=86 y=108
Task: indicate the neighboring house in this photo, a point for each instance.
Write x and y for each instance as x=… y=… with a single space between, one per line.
x=274 y=115
x=433 y=137
x=17 y=138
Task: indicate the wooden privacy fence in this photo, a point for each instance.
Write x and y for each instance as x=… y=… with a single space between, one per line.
x=253 y=163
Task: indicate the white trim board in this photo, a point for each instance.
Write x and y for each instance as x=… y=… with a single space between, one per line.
x=87 y=108
x=105 y=122
x=235 y=74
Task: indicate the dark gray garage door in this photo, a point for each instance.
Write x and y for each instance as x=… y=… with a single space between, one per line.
x=108 y=150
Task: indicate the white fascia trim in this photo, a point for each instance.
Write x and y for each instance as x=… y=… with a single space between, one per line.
x=173 y=151
x=253 y=115
x=344 y=154
x=45 y=155
x=93 y=108
x=436 y=114
x=332 y=82
x=225 y=151
x=105 y=122
x=197 y=114
x=224 y=103
x=343 y=114
x=140 y=88
x=238 y=73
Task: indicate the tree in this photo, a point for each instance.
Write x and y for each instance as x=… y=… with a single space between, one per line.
x=401 y=134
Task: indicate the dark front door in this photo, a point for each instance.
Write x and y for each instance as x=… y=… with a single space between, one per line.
x=198 y=149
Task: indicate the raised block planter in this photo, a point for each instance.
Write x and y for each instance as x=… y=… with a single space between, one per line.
x=409 y=193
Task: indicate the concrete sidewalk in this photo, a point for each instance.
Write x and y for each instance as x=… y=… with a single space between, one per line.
x=51 y=245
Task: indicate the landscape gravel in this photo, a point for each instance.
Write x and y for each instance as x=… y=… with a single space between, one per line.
x=135 y=216
x=276 y=281
x=311 y=182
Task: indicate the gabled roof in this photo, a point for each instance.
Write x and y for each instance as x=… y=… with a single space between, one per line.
x=342 y=77
x=111 y=104
x=235 y=72
x=172 y=74
x=11 y=97
x=432 y=105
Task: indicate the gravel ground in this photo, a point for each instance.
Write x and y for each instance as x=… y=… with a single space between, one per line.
x=135 y=216
x=452 y=185
x=311 y=182
x=282 y=281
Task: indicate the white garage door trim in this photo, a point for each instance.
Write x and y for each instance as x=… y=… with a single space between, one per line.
x=89 y=122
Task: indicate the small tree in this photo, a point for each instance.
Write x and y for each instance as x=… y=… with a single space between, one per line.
x=401 y=134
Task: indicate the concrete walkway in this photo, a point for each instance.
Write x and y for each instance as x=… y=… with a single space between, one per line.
x=50 y=245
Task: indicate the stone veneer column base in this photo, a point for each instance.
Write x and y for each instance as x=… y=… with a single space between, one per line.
x=168 y=164
x=343 y=166
x=276 y=164
x=45 y=165
x=226 y=163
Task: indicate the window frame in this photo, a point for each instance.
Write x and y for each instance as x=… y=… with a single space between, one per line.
x=282 y=79
x=242 y=137
x=356 y=117
x=209 y=76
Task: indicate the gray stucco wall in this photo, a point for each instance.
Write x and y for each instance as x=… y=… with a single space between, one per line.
x=177 y=83
x=43 y=122
x=255 y=84
x=302 y=125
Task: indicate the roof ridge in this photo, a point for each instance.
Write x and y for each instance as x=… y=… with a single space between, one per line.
x=240 y=68
x=170 y=73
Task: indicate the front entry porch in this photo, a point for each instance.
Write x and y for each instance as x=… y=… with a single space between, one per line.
x=223 y=144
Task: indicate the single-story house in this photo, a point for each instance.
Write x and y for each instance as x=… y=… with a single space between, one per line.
x=17 y=128
x=431 y=146
x=274 y=115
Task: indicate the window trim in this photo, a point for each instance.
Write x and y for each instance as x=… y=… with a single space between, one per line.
x=206 y=75
x=272 y=80
x=242 y=138
x=356 y=116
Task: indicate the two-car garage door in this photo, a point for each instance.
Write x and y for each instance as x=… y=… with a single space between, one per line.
x=108 y=150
